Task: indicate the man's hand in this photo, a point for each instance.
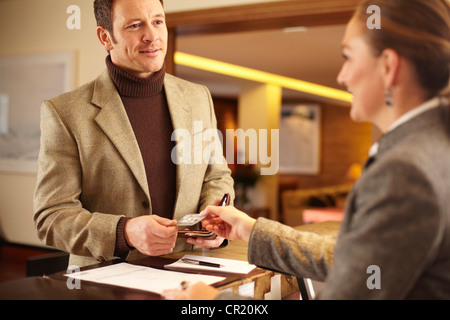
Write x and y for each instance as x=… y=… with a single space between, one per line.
x=151 y=235
x=207 y=243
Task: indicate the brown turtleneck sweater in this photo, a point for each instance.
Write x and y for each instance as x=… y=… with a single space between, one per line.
x=146 y=106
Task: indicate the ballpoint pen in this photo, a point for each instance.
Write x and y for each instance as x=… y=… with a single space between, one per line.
x=224 y=200
x=201 y=263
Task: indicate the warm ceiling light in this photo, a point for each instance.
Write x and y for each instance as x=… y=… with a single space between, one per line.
x=236 y=71
x=295 y=29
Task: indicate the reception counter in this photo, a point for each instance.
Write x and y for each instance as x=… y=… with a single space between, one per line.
x=258 y=284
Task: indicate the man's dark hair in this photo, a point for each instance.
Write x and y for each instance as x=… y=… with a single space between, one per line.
x=103 y=13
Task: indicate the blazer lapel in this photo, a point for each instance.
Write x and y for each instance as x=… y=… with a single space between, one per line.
x=113 y=120
x=181 y=119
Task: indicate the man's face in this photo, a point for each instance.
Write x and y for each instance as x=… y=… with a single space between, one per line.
x=139 y=44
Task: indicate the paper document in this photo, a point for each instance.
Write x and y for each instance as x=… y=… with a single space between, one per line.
x=141 y=277
x=226 y=265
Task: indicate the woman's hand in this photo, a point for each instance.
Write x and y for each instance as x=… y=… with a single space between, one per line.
x=198 y=291
x=228 y=222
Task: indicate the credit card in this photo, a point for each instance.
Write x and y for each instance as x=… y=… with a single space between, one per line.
x=190 y=220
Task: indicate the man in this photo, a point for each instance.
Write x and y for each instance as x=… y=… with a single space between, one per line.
x=107 y=185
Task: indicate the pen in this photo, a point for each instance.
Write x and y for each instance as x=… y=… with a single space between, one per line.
x=201 y=263
x=224 y=200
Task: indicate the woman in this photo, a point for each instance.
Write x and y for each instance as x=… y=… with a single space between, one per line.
x=397 y=218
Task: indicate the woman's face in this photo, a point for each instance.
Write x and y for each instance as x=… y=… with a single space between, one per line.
x=361 y=74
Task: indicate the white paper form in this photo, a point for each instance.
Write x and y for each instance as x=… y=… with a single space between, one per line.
x=141 y=277
x=227 y=265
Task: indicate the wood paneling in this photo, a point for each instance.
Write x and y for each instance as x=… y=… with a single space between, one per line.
x=262 y=16
x=171 y=48
x=343 y=143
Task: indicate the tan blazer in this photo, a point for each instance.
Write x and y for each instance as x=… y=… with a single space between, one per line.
x=91 y=171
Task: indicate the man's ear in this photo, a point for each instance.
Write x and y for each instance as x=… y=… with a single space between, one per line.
x=105 y=38
x=390 y=64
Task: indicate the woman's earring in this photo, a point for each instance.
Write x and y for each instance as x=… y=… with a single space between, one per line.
x=388 y=98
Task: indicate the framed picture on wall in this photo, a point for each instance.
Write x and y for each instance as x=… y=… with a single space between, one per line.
x=300 y=139
x=25 y=82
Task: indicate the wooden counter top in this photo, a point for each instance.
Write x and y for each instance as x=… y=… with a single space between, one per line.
x=238 y=250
